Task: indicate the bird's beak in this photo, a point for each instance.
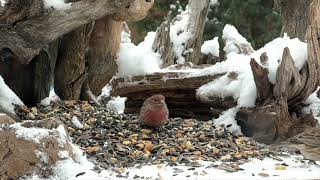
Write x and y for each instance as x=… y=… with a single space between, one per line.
x=162 y=101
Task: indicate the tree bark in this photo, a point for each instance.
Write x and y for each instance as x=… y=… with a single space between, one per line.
x=294 y=17
x=103 y=49
x=71 y=71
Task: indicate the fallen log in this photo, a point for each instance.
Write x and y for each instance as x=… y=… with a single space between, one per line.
x=179 y=90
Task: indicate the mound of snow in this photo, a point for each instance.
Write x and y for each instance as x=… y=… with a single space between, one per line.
x=138 y=60
x=211 y=47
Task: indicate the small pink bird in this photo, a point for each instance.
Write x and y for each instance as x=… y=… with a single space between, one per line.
x=154 y=111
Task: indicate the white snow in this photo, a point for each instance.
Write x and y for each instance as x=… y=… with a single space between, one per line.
x=313 y=107
x=214 y=2
x=242 y=86
x=138 y=60
x=296 y=169
x=31 y=134
x=8 y=98
x=228 y=118
x=117 y=104
x=179 y=34
x=232 y=38
x=75 y=121
x=41 y=156
x=2 y=2
x=274 y=50
x=211 y=47
x=105 y=92
x=53 y=97
x=56 y=4
x=37 y=134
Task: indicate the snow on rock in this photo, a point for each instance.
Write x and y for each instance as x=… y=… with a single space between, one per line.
x=211 y=47
x=138 y=60
x=56 y=4
x=8 y=98
x=313 y=107
x=233 y=39
x=117 y=104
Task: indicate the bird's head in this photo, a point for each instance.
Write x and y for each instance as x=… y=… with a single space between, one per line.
x=157 y=99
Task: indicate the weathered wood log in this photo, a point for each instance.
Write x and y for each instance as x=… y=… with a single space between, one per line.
x=163 y=45
x=260 y=75
x=178 y=88
x=16 y=10
x=294 y=17
x=197 y=14
x=35 y=33
x=136 y=11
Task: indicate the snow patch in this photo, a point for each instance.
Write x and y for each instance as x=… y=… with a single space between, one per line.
x=138 y=60
x=228 y=119
x=211 y=47
x=179 y=34
x=2 y=2
x=31 y=134
x=117 y=104
x=56 y=4
x=232 y=37
x=41 y=156
x=53 y=97
x=297 y=169
x=313 y=107
x=8 y=98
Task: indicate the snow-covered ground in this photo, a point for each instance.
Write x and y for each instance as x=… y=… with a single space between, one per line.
x=293 y=167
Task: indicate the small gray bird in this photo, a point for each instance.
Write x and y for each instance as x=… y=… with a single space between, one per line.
x=307 y=142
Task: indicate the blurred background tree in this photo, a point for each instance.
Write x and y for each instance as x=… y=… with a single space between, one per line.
x=255 y=19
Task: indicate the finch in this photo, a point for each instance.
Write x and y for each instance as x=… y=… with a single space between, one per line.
x=154 y=111
x=307 y=142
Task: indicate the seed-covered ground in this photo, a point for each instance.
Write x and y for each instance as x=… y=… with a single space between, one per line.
x=113 y=140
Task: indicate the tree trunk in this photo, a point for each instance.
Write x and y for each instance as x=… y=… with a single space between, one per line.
x=294 y=17
x=71 y=71
x=104 y=46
